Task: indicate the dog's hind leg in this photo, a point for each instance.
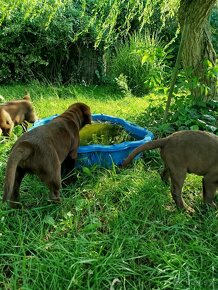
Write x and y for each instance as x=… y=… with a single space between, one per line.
x=209 y=188
x=177 y=181
x=52 y=178
x=14 y=200
x=67 y=170
x=165 y=175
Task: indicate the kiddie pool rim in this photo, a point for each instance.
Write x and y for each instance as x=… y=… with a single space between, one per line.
x=135 y=130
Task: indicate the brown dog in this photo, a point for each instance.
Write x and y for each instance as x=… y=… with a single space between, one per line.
x=186 y=152
x=16 y=112
x=43 y=150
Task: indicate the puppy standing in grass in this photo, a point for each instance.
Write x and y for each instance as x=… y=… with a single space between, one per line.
x=44 y=150
x=16 y=112
x=186 y=152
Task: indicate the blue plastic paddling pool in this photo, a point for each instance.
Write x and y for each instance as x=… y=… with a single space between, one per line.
x=107 y=155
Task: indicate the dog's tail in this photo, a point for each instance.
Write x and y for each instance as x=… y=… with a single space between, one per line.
x=21 y=153
x=147 y=146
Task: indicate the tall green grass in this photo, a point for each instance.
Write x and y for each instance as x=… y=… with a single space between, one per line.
x=115 y=229
x=139 y=63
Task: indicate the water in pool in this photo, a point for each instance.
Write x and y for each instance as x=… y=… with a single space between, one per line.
x=104 y=134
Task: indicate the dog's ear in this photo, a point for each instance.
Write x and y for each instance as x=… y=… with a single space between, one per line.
x=87 y=115
x=84 y=112
x=27 y=96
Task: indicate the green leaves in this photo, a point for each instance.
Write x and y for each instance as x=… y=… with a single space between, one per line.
x=140 y=62
x=57 y=40
x=184 y=115
x=145 y=57
x=49 y=220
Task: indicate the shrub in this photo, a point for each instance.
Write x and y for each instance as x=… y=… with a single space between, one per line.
x=184 y=115
x=141 y=59
x=41 y=45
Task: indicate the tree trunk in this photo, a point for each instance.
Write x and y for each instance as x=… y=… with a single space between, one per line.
x=198 y=49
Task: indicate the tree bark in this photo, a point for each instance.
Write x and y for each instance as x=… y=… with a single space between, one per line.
x=175 y=72
x=198 y=48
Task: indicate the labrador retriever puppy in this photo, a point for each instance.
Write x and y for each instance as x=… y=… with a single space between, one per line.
x=44 y=150
x=17 y=112
x=186 y=152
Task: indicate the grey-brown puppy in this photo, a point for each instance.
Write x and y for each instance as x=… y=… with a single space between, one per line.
x=186 y=152
x=16 y=112
x=43 y=150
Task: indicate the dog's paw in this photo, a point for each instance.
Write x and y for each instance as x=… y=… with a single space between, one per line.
x=55 y=200
x=15 y=204
x=186 y=208
x=189 y=209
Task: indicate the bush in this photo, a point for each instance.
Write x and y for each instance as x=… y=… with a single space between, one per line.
x=141 y=59
x=41 y=45
x=184 y=115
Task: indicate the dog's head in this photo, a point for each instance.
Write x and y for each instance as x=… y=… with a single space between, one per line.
x=6 y=123
x=84 y=113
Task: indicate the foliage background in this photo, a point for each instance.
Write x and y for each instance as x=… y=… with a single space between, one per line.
x=114 y=229
x=66 y=41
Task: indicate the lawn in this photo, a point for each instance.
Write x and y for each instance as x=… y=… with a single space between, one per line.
x=115 y=229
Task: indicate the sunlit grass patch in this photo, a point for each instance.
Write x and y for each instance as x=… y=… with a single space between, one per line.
x=115 y=228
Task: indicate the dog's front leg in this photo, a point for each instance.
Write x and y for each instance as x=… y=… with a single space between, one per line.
x=7 y=132
x=51 y=176
x=24 y=126
x=54 y=194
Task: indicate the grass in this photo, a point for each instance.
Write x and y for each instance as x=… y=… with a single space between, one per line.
x=115 y=229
